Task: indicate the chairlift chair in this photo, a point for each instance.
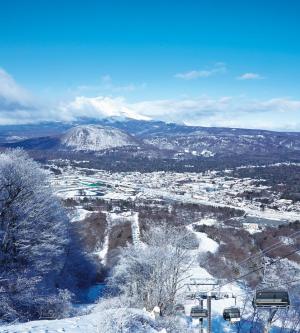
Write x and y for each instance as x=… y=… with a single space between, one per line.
x=271 y=298
x=198 y=312
x=232 y=314
x=215 y=295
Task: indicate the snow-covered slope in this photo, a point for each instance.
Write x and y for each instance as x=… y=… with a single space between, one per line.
x=96 y=137
x=100 y=320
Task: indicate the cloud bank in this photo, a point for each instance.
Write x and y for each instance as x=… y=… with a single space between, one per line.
x=277 y=113
x=98 y=107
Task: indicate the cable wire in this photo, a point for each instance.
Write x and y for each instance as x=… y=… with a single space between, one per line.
x=268 y=249
x=255 y=270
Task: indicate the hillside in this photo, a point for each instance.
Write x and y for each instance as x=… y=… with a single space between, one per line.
x=95 y=138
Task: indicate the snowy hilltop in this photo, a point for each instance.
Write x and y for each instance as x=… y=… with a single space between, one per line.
x=96 y=137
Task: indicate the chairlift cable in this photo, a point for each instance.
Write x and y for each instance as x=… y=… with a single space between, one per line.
x=255 y=270
x=268 y=249
x=288 y=283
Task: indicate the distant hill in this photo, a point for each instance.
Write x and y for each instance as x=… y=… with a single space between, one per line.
x=96 y=137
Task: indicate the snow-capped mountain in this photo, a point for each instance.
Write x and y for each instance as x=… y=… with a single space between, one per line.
x=96 y=137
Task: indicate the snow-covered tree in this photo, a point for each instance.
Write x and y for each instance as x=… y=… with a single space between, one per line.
x=113 y=316
x=33 y=238
x=154 y=273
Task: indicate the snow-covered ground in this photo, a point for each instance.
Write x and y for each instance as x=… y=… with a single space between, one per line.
x=200 y=275
x=105 y=320
x=98 y=321
x=119 y=218
x=211 y=189
x=101 y=253
x=135 y=229
x=80 y=214
x=206 y=244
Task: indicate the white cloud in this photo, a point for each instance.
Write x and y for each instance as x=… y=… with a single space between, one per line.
x=107 y=84
x=280 y=105
x=250 y=76
x=171 y=110
x=11 y=92
x=182 y=109
x=97 y=107
x=16 y=103
x=219 y=68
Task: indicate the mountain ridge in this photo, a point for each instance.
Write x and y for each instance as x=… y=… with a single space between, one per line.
x=162 y=139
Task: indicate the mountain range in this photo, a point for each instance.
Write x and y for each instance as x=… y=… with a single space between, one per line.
x=151 y=140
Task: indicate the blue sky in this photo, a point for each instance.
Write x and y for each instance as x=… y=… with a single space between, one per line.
x=213 y=62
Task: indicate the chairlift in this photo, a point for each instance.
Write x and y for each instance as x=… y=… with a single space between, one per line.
x=214 y=295
x=271 y=298
x=232 y=314
x=198 y=312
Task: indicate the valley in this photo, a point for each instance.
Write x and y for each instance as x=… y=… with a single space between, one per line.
x=117 y=182
x=251 y=197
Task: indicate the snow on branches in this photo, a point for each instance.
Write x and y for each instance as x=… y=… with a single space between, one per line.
x=33 y=237
x=155 y=273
